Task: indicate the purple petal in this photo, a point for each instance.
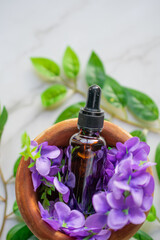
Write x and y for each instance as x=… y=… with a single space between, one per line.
x=136 y=216
x=33 y=144
x=124 y=168
x=43 y=166
x=121 y=147
x=141 y=180
x=123 y=185
x=120 y=155
x=53 y=223
x=137 y=195
x=66 y=196
x=132 y=144
x=109 y=172
x=129 y=202
x=77 y=232
x=62 y=211
x=141 y=155
x=114 y=203
x=100 y=202
x=75 y=220
x=144 y=146
x=141 y=169
x=147 y=203
x=50 y=152
x=54 y=170
x=71 y=180
x=111 y=155
x=111 y=187
x=149 y=188
x=62 y=189
x=32 y=169
x=43 y=145
x=49 y=179
x=117 y=219
x=103 y=235
x=36 y=180
x=96 y=221
x=57 y=161
x=44 y=213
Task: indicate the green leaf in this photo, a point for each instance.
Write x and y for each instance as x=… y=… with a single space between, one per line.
x=25 y=140
x=114 y=93
x=19 y=232
x=3 y=119
x=16 y=166
x=59 y=177
x=46 y=67
x=140 y=134
x=53 y=95
x=157 y=160
x=15 y=209
x=71 y=65
x=95 y=73
x=70 y=112
x=140 y=235
x=141 y=105
x=31 y=165
x=38 y=154
x=46 y=203
x=152 y=214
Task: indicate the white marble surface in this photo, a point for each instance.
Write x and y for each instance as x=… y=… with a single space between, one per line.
x=125 y=34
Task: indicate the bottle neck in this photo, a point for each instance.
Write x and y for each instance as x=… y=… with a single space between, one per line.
x=88 y=132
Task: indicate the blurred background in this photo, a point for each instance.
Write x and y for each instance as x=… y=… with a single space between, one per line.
x=126 y=36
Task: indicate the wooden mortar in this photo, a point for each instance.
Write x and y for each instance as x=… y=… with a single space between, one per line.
x=59 y=135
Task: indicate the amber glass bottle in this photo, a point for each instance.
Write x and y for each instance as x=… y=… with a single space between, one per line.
x=85 y=145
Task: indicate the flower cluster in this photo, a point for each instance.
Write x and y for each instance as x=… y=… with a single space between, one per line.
x=120 y=188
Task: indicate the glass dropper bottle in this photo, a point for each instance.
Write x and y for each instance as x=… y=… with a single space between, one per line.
x=84 y=145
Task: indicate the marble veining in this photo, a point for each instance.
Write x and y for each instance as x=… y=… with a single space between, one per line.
x=125 y=34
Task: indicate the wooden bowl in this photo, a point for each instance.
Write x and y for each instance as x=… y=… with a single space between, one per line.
x=59 y=135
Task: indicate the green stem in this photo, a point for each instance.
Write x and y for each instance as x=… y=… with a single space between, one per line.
x=2 y=199
x=9 y=179
x=10 y=214
x=80 y=92
x=158 y=219
x=125 y=113
x=6 y=201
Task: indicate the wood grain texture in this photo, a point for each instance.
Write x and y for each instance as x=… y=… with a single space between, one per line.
x=59 y=135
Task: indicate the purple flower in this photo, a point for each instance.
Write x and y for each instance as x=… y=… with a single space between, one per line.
x=63 y=217
x=126 y=181
x=117 y=191
x=132 y=149
x=48 y=153
x=61 y=188
x=123 y=211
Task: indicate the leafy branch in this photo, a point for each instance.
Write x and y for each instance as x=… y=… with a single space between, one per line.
x=117 y=101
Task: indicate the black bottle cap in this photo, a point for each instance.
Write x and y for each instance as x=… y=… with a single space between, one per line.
x=91 y=116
